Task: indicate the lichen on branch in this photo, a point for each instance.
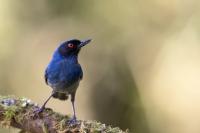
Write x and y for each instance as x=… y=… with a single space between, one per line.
x=21 y=113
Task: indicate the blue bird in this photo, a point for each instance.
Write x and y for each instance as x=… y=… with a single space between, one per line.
x=64 y=73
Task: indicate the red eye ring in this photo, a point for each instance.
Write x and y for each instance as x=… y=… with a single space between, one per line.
x=70 y=45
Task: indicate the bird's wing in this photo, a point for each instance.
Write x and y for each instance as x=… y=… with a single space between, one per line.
x=79 y=71
x=81 y=74
x=46 y=76
x=72 y=74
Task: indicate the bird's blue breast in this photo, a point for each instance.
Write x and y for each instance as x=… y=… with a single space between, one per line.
x=63 y=74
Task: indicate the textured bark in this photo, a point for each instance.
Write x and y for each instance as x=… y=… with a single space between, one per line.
x=22 y=113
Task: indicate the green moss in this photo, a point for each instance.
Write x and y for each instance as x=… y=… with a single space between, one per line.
x=62 y=124
x=10 y=112
x=19 y=118
x=59 y=116
x=20 y=109
x=113 y=130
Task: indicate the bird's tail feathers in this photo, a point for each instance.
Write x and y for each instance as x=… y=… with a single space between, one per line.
x=61 y=96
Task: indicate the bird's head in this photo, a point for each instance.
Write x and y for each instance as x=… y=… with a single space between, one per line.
x=72 y=47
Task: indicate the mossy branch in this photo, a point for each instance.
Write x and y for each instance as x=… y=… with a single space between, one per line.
x=21 y=113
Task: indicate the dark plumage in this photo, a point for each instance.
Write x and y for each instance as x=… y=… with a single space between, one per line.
x=64 y=73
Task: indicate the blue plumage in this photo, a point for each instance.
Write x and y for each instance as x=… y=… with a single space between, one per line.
x=64 y=73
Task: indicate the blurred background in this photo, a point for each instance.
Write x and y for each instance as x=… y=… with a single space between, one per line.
x=141 y=72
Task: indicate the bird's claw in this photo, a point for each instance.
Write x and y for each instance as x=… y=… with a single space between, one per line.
x=37 y=111
x=73 y=120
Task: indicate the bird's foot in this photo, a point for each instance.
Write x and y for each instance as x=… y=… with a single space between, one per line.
x=37 y=111
x=73 y=120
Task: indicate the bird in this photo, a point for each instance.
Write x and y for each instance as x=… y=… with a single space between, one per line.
x=64 y=72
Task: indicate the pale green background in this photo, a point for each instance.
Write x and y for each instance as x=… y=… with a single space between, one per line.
x=141 y=71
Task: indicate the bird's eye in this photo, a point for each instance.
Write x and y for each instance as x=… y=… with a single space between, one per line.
x=70 y=45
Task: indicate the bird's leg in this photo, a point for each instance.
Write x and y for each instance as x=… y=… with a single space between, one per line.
x=74 y=111
x=43 y=106
x=73 y=120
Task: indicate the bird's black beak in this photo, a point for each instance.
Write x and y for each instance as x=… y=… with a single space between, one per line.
x=85 y=42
